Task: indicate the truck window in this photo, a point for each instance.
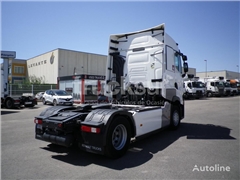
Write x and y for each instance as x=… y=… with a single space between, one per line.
x=177 y=61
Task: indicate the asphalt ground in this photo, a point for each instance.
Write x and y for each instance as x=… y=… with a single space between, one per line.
x=206 y=146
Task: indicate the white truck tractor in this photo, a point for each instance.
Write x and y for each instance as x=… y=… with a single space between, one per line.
x=216 y=86
x=144 y=77
x=233 y=85
x=194 y=88
x=7 y=100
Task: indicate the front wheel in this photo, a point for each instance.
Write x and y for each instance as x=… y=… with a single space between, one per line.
x=118 y=138
x=54 y=102
x=175 y=118
x=44 y=101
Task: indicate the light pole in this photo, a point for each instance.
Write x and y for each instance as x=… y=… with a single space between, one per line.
x=238 y=71
x=206 y=68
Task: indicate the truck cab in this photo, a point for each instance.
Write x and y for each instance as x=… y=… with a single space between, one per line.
x=144 y=66
x=215 y=86
x=233 y=84
x=194 y=87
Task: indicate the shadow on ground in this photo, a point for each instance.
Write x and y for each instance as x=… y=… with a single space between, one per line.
x=143 y=150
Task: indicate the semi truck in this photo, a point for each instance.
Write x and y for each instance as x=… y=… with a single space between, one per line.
x=7 y=100
x=145 y=80
x=194 y=88
x=216 y=86
x=235 y=87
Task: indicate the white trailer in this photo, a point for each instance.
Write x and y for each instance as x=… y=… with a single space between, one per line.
x=144 y=78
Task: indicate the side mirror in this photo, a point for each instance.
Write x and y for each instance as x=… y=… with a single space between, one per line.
x=185 y=67
x=184 y=57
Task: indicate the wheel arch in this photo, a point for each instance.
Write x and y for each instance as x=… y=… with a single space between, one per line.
x=127 y=116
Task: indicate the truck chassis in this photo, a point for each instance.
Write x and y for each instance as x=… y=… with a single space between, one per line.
x=103 y=129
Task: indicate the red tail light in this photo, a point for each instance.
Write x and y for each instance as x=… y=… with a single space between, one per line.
x=90 y=129
x=37 y=121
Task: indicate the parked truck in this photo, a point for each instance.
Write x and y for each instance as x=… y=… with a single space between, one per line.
x=194 y=88
x=7 y=100
x=216 y=86
x=235 y=87
x=144 y=78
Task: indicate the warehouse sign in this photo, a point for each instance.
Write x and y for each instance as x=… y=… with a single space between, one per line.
x=37 y=63
x=8 y=54
x=42 y=62
x=82 y=76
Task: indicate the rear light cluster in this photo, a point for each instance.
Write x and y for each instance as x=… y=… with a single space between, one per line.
x=37 y=121
x=40 y=121
x=90 y=129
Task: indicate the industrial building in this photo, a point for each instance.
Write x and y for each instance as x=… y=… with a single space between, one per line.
x=224 y=73
x=61 y=62
x=17 y=70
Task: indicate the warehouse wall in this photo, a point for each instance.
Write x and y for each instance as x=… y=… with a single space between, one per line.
x=75 y=62
x=44 y=66
x=64 y=63
x=224 y=73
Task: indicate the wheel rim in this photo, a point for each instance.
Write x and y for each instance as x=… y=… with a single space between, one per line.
x=119 y=137
x=54 y=102
x=175 y=118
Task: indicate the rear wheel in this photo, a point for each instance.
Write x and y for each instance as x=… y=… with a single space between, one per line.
x=118 y=138
x=9 y=103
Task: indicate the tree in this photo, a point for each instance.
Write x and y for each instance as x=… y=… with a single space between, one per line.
x=35 y=80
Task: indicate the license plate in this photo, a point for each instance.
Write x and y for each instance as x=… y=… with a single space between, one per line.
x=39 y=126
x=28 y=102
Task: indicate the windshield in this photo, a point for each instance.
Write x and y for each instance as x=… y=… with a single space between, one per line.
x=61 y=93
x=197 y=84
x=226 y=84
x=219 y=84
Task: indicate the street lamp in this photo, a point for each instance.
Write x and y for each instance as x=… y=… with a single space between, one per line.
x=206 y=68
x=238 y=71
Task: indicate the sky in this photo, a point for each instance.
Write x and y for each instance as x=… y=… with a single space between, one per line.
x=204 y=30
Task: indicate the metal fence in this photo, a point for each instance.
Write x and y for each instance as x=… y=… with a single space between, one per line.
x=19 y=89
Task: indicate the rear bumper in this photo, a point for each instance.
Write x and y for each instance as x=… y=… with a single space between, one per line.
x=66 y=141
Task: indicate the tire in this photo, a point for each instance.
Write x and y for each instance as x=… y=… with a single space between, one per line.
x=209 y=94
x=54 y=102
x=43 y=101
x=175 y=118
x=9 y=104
x=118 y=138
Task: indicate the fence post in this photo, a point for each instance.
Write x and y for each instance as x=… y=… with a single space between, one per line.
x=51 y=86
x=10 y=89
x=32 y=88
